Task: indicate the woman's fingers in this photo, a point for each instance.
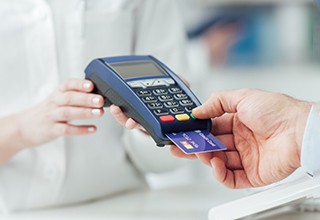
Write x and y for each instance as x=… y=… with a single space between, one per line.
x=131 y=124
x=75 y=113
x=78 y=99
x=118 y=115
x=79 y=85
x=76 y=92
x=123 y=119
x=65 y=129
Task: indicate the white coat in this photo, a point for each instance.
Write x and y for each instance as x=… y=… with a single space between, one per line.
x=43 y=43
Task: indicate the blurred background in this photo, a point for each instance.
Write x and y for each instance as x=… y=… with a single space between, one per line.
x=244 y=33
x=267 y=44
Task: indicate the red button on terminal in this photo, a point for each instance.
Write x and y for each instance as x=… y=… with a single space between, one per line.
x=167 y=118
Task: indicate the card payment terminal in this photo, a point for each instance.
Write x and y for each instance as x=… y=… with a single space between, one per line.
x=147 y=91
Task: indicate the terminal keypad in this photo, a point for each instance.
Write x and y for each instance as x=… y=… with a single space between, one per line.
x=166 y=100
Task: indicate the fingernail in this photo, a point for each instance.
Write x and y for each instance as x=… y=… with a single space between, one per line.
x=96 y=100
x=91 y=129
x=96 y=111
x=86 y=85
x=192 y=112
x=211 y=163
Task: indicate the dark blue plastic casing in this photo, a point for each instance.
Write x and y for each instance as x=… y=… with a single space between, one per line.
x=117 y=91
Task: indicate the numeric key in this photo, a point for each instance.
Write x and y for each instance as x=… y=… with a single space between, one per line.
x=155 y=105
x=161 y=111
x=177 y=110
x=186 y=102
x=160 y=92
x=144 y=92
x=171 y=104
x=165 y=98
x=180 y=96
x=174 y=90
x=148 y=99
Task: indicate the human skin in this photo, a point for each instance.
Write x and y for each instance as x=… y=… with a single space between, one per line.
x=51 y=118
x=263 y=133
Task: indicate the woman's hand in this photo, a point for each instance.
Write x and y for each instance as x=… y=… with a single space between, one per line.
x=52 y=117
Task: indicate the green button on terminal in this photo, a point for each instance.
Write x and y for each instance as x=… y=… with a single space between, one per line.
x=192 y=116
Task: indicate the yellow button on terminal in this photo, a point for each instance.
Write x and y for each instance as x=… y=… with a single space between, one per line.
x=182 y=117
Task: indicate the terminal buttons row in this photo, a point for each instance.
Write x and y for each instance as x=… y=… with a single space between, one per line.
x=170 y=118
x=159 y=91
x=151 y=82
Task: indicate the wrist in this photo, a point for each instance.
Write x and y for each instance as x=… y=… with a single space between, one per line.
x=18 y=131
x=23 y=127
x=10 y=138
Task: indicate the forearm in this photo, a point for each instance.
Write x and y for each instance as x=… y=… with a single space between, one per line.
x=10 y=137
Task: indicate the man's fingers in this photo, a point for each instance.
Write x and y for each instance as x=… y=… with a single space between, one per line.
x=233 y=179
x=175 y=151
x=205 y=157
x=222 y=124
x=231 y=159
x=220 y=171
x=220 y=103
x=227 y=140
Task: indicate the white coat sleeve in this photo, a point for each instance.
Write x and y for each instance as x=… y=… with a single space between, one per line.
x=310 y=151
x=159 y=32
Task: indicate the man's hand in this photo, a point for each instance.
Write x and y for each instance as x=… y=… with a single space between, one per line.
x=263 y=133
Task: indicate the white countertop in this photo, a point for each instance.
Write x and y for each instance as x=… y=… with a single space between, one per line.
x=190 y=202
x=183 y=202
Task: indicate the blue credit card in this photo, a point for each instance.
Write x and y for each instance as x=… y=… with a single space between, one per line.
x=198 y=141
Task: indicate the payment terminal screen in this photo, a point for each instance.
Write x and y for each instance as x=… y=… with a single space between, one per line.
x=137 y=69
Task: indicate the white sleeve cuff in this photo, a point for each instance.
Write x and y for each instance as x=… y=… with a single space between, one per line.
x=310 y=151
x=146 y=156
